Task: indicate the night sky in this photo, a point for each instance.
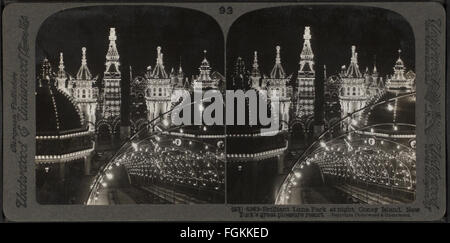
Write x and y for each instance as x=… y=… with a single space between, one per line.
x=334 y=29
x=185 y=33
x=181 y=33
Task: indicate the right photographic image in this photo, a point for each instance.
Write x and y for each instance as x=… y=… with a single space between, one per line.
x=340 y=84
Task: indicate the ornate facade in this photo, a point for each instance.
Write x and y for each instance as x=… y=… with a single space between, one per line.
x=277 y=85
x=353 y=93
x=159 y=88
x=84 y=92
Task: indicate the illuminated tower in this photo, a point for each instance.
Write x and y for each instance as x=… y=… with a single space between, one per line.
x=85 y=93
x=277 y=86
x=112 y=78
x=353 y=93
x=204 y=79
x=62 y=76
x=158 y=88
x=305 y=78
x=399 y=81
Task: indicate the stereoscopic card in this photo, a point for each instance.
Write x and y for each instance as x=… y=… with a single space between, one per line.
x=215 y=111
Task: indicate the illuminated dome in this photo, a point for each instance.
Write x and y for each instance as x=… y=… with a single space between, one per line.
x=60 y=133
x=55 y=112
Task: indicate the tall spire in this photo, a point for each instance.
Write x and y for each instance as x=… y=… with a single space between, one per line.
x=375 y=72
x=113 y=54
x=83 y=72
x=255 y=70
x=278 y=58
x=205 y=69
x=307 y=55
x=61 y=61
x=277 y=70
x=180 y=69
x=159 y=71
x=353 y=69
x=61 y=71
x=255 y=59
x=83 y=56
x=131 y=73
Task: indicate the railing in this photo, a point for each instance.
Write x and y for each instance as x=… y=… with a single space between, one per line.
x=322 y=138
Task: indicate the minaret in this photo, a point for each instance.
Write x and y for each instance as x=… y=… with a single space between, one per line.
x=61 y=76
x=256 y=74
x=112 y=79
x=306 y=78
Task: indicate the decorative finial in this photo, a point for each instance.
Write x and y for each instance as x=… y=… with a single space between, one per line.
x=354 y=58
x=159 y=57
x=83 y=56
x=374 y=63
x=278 y=58
x=61 y=61
x=307 y=34
x=255 y=60
x=204 y=54
x=112 y=34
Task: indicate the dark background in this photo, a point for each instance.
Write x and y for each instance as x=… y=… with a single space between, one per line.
x=334 y=29
x=182 y=33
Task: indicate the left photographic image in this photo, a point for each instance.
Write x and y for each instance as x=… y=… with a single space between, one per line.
x=109 y=80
